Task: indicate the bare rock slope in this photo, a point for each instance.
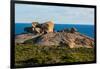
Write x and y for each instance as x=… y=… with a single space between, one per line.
x=72 y=40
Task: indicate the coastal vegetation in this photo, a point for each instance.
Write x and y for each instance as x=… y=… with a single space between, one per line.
x=31 y=55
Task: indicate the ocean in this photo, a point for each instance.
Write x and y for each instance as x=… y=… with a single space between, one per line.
x=84 y=29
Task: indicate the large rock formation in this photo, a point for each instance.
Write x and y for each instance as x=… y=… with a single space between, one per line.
x=72 y=40
x=36 y=27
x=45 y=36
x=22 y=37
x=40 y=28
x=48 y=26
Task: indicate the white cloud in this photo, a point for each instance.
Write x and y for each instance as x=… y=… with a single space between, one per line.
x=41 y=13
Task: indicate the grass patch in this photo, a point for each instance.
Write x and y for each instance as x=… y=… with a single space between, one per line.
x=29 y=54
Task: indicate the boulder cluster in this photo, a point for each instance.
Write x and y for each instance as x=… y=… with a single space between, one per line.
x=71 y=30
x=66 y=37
x=38 y=28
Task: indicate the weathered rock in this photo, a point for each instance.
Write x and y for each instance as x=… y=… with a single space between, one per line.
x=73 y=29
x=34 y=24
x=71 y=40
x=65 y=30
x=67 y=37
x=23 y=37
x=48 y=26
x=36 y=27
x=36 y=30
x=40 y=28
x=20 y=39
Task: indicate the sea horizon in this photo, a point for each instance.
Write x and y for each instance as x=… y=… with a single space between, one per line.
x=87 y=30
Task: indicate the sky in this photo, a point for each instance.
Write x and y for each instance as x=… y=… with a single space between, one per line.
x=26 y=13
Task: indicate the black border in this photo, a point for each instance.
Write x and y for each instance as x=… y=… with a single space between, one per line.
x=12 y=9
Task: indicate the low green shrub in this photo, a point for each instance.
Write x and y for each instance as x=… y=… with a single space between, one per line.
x=28 y=54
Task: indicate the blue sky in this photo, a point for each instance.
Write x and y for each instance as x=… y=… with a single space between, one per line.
x=25 y=13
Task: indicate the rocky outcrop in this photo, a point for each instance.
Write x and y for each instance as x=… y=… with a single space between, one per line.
x=45 y=36
x=22 y=37
x=48 y=26
x=71 y=30
x=72 y=40
x=38 y=28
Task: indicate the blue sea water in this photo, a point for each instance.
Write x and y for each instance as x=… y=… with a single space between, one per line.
x=84 y=29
